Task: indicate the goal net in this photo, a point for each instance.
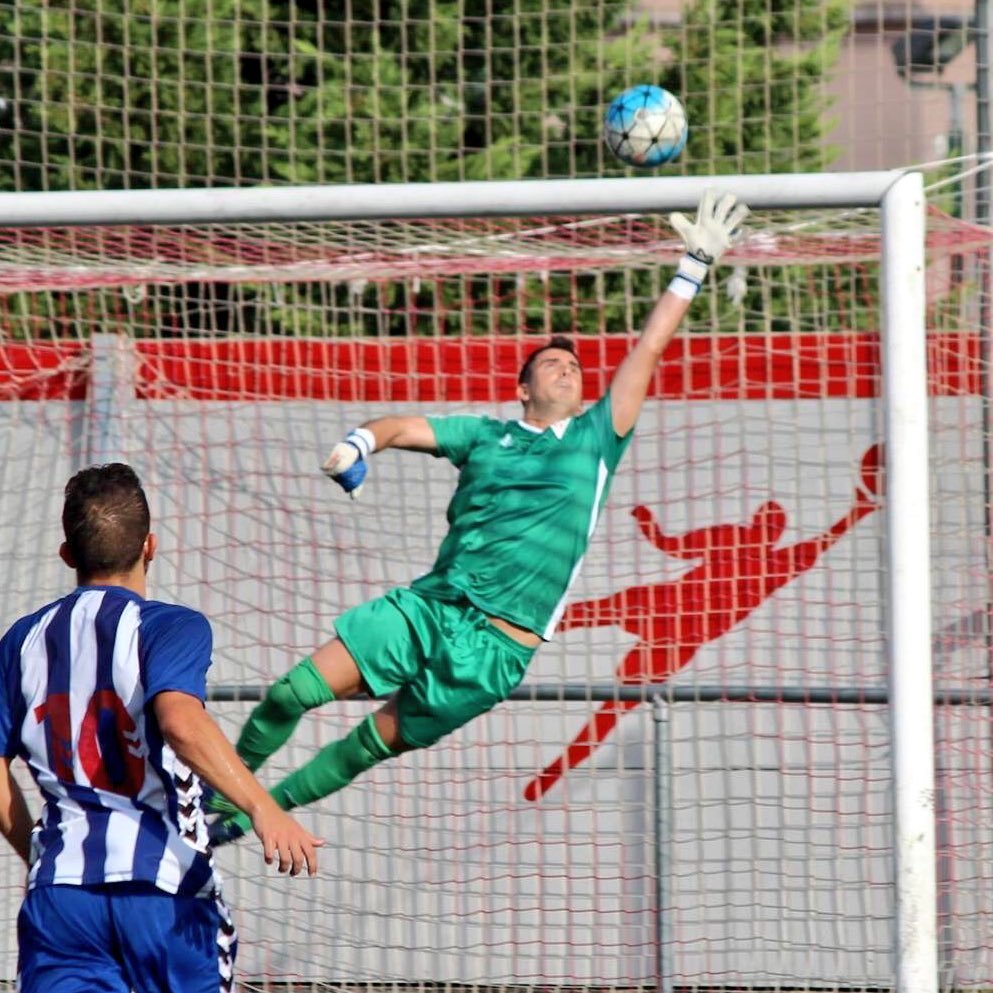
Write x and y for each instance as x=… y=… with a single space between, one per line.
x=735 y=840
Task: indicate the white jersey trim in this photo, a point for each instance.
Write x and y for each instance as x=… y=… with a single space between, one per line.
x=558 y=428
x=603 y=474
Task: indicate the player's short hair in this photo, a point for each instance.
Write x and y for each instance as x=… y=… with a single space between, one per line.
x=557 y=341
x=105 y=518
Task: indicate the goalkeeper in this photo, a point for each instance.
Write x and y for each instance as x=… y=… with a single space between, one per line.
x=456 y=641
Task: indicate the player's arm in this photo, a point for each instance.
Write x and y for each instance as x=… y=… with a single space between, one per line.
x=15 y=819
x=866 y=499
x=690 y=544
x=197 y=740
x=346 y=464
x=706 y=239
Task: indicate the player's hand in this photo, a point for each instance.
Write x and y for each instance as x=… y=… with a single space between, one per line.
x=346 y=464
x=716 y=228
x=284 y=841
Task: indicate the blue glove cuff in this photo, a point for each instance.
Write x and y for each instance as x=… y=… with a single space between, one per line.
x=362 y=439
x=353 y=476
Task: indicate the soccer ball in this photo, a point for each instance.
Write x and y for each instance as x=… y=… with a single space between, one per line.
x=645 y=126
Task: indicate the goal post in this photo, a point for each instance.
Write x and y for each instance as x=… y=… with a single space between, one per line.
x=908 y=569
x=390 y=201
x=899 y=198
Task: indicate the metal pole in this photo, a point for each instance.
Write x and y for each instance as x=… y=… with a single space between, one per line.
x=804 y=696
x=956 y=146
x=984 y=282
x=663 y=833
x=908 y=569
x=391 y=201
x=984 y=135
x=956 y=139
x=111 y=390
x=984 y=212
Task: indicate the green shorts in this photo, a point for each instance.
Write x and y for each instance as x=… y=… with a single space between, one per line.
x=446 y=661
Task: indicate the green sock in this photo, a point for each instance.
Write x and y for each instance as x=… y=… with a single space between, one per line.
x=334 y=766
x=274 y=719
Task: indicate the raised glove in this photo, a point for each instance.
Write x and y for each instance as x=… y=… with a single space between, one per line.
x=715 y=230
x=346 y=464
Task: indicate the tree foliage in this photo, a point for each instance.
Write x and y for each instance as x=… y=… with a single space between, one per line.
x=752 y=74
x=139 y=93
x=164 y=93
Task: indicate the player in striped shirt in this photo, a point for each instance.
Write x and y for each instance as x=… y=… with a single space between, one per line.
x=101 y=694
x=457 y=641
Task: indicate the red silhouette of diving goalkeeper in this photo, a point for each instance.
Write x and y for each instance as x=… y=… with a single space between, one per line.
x=739 y=569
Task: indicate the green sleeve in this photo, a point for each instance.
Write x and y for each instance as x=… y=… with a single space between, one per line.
x=612 y=445
x=456 y=435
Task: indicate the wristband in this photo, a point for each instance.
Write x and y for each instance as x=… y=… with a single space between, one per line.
x=363 y=439
x=689 y=277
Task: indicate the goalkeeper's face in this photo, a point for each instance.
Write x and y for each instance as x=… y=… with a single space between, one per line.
x=555 y=382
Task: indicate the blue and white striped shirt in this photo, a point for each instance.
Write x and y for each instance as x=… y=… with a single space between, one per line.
x=77 y=680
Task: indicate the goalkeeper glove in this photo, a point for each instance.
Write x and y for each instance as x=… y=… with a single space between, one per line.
x=716 y=228
x=346 y=464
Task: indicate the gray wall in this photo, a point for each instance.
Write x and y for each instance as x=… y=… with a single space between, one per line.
x=436 y=868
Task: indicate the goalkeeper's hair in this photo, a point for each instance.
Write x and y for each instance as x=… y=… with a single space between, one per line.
x=105 y=518
x=557 y=341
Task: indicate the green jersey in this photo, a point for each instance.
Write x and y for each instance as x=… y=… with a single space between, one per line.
x=522 y=515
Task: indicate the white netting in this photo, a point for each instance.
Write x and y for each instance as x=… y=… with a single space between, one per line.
x=441 y=867
x=92 y=257
x=222 y=361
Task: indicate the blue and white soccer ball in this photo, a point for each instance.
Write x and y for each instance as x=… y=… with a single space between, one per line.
x=645 y=126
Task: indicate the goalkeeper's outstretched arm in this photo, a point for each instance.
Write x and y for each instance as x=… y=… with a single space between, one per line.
x=346 y=464
x=717 y=226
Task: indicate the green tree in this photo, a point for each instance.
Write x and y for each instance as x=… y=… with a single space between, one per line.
x=161 y=93
x=139 y=93
x=132 y=93
x=752 y=74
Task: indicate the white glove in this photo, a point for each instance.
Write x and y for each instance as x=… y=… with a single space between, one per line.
x=346 y=464
x=716 y=229
x=342 y=457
